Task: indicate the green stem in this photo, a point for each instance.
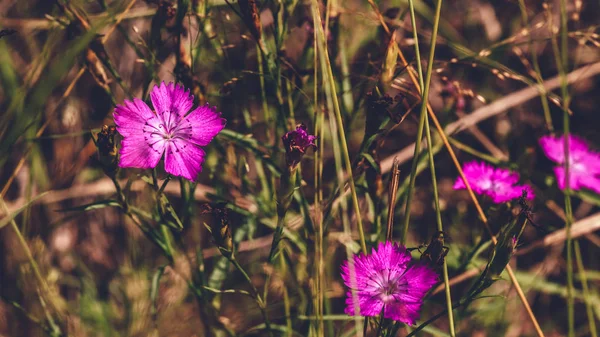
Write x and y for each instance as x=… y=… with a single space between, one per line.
x=536 y=68
x=423 y=115
x=284 y=199
x=338 y=117
x=167 y=237
x=164 y=184
x=586 y=291
x=464 y=147
x=265 y=105
x=380 y=325
x=286 y=298
x=434 y=318
x=413 y=21
x=562 y=66
x=120 y=194
x=163 y=228
x=440 y=228
x=257 y=297
x=432 y=164
x=318 y=173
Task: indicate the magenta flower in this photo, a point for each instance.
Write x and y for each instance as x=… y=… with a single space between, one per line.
x=499 y=184
x=384 y=281
x=169 y=130
x=296 y=143
x=584 y=164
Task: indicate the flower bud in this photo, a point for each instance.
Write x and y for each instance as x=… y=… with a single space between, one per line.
x=107 y=150
x=251 y=17
x=296 y=143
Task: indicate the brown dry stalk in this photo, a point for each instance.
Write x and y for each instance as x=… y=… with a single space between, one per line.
x=105 y=186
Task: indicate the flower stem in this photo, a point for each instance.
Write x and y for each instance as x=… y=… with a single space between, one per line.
x=284 y=199
x=537 y=70
x=164 y=184
x=440 y=228
x=163 y=228
x=424 y=85
x=430 y=151
x=318 y=173
x=562 y=65
x=261 y=76
x=434 y=318
x=323 y=53
x=259 y=301
x=286 y=298
x=586 y=291
x=120 y=194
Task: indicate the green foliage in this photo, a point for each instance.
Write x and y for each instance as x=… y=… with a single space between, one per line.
x=91 y=251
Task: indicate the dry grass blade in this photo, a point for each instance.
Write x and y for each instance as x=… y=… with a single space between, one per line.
x=393 y=191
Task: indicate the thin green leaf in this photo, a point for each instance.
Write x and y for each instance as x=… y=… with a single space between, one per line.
x=10 y=217
x=91 y=206
x=154 y=289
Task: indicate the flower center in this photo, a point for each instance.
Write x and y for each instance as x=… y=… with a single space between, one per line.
x=390 y=289
x=169 y=124
x=576 y=165
x=487 y=184
x=168 y=135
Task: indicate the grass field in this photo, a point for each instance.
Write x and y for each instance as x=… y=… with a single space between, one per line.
x=270 y=168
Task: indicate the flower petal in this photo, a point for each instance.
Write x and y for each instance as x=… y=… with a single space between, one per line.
x=419 y=280
x=171 y=98
x=478 y=174
x=183 y=159
x=369 y=304
x=505 y=176
x=201 y=125
x=132 y=116
x=143 y=142
x=577 y=179
x=555 y=149
x=591 y=182
x=390 y=256
x=503 y=192
x=140 y=152
x=407 y=313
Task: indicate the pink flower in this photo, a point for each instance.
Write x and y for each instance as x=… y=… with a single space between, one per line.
x=584 y=164
x=384 y=281
x=296 y=143
x=169 y=130
x=499 y=184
